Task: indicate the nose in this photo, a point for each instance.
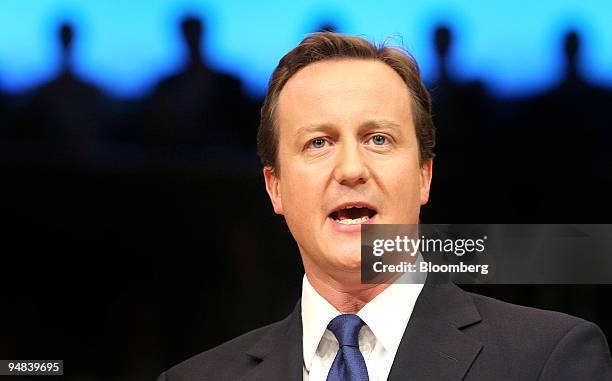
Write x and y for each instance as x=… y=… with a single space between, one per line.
x=351 y=167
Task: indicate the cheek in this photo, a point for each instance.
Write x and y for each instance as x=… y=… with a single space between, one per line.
x=408 y=191
x=404 y=184
x=301 y=194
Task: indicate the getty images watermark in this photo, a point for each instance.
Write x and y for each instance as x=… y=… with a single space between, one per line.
x=412 y=247
x=488 y=253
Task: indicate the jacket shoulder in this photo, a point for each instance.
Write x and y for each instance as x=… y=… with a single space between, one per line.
x=503 y=315
x=545 y=344
x=222 y=361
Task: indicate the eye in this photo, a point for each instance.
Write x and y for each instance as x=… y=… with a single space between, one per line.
x=317 y=143
x=379 y=140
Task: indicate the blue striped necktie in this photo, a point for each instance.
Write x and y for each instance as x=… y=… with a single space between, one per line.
x=349 y=364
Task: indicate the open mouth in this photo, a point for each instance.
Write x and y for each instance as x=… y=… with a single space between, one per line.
x=352 y=215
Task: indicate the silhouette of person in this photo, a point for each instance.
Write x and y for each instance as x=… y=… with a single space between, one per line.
x=568 y=125
x=442 y=41
x=198 y=106
x=572 y=44
x=327 y=26
x=66 y=110
x=66 y=36
x=460 y=104
x=460 y=112
x=573 y=83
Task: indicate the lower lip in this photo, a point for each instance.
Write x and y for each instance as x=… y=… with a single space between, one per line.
x=353 y=228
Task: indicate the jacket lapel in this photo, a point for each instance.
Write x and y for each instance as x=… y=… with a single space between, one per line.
x=433 y=346
x=279 y=351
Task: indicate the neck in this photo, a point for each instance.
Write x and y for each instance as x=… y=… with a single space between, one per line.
x=345 y=292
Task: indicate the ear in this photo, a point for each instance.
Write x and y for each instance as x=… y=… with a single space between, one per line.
x=426 y=173
x=273 y=189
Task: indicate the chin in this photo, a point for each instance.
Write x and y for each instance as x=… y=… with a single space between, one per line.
x=349 y=261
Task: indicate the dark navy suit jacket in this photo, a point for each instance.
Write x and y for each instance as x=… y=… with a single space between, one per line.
x=452 y=335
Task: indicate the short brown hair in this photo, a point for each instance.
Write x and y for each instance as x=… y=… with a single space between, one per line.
x=329 y=45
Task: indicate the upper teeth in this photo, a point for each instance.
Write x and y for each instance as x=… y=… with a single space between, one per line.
x=348 y=221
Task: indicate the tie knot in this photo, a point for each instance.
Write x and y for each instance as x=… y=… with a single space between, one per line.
x=346 y=329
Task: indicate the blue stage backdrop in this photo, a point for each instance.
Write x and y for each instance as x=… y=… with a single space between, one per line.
x=125 y=46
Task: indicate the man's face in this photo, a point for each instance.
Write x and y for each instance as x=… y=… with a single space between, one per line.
x=348 y=155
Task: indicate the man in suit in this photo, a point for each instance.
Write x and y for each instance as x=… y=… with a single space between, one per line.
x=346 y=139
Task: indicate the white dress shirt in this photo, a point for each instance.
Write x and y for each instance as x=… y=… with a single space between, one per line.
x=386 y=317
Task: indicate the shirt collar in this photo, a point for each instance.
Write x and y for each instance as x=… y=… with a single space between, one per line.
x=386 y=315
x=316 y=315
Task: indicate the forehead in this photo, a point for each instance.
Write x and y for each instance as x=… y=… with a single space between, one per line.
x=343 y=91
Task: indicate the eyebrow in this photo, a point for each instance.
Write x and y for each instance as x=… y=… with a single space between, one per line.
x=369 y=125
x=381 y=124
x=310 y=128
